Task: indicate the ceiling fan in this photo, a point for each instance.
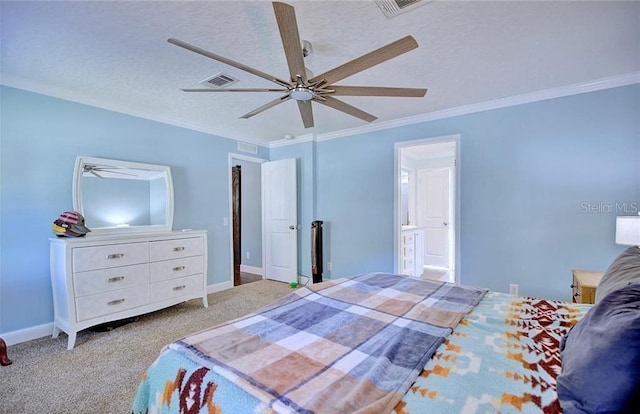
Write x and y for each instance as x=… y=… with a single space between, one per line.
x=100 y=171
x=321 y=88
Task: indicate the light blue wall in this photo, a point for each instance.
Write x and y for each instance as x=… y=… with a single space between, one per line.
x=355 y=184
x=40 y=138
x=528 y=173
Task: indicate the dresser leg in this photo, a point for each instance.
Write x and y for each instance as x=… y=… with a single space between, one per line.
x=72 y=340
x=4 y=359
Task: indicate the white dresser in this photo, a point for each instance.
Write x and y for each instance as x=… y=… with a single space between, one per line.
x=98 y=279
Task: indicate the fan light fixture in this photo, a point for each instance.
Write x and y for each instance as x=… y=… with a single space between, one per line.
x=301 y=93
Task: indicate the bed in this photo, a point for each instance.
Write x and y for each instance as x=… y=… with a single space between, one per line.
x=376 y=343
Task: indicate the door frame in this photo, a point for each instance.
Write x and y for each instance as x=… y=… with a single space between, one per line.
x=233 y=156
x=397 y=207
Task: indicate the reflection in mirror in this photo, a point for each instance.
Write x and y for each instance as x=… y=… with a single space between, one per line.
x=406 y=197
x=122 y=196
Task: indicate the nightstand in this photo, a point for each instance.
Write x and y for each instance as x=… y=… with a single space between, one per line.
x=584 y=285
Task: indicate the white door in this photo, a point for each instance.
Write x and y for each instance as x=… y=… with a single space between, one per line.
x=433 y=215
x=280 y=218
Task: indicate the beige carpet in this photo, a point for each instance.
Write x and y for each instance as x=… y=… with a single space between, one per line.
x=101 y=374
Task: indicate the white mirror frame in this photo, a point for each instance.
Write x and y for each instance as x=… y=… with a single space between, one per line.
x=163 y=170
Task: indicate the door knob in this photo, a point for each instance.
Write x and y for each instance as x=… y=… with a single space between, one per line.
x=445 y=223
x=292 y=227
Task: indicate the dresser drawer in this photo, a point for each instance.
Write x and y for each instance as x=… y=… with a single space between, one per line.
x=102 y=257
x=173 y=249
x=93 y=306
x=171 y=269
x=174 y=288
x=105 y=280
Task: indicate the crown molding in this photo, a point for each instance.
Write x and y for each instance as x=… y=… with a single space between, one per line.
x=296 y=140
x=58 y=93
x=575 y=89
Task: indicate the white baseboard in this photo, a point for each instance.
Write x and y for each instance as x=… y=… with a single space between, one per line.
x=40 y=331
x=251 y=269
x=28 y=334
x=217 y=287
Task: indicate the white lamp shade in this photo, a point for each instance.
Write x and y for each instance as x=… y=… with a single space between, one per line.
x=628 y=230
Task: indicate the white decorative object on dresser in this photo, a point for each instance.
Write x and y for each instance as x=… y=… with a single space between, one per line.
x=99 y=279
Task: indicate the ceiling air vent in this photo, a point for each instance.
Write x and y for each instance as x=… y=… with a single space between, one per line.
x=220 y=80
x=245 y=147
x=392 y=8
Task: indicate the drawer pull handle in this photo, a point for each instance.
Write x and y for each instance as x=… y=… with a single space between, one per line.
x=115 y=302
x=115 y=279
x=179 y=287
x=115 y=256
x=179 y=268
x=178 y=249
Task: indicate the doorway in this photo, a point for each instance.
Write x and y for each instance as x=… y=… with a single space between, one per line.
x=245 y=226
x=426 y=208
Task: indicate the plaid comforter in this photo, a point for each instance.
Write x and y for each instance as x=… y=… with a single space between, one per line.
x=343 y=346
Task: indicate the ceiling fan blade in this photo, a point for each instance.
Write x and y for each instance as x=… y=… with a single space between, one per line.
x=235 y=90
x=95 y=170
x=306 y=113
x=118 y=172
x=266 y=106
x=229 y=62
x=286 y=18
x=346 y=108
x=376 y=91
x=368 y=60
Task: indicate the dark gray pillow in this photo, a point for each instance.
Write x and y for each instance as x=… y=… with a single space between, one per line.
x=601 y=357
x=625 y=269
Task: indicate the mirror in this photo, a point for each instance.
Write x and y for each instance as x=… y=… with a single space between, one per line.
x=122 y=196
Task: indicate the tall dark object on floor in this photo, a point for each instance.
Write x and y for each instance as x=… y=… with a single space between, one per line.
x=316 y=251
x=236 y=203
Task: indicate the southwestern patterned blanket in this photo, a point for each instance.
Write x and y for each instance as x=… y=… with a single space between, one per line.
x=503 y=357
x=344 y=346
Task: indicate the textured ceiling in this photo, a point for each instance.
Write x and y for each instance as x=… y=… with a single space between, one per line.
x=115 y=55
